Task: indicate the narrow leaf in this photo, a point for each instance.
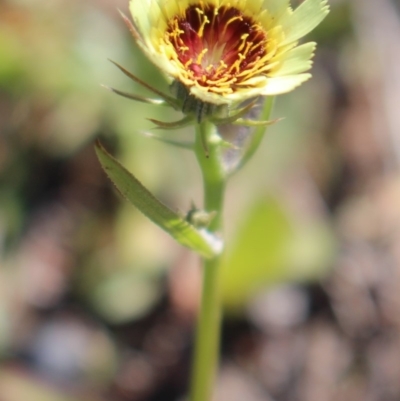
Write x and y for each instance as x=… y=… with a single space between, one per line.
x=200 y=241
x=184 y=122
x=240 y=136
x=170 y=100
x=258 y=133
x=231 y=119
x=255 y=123
x=157 y=102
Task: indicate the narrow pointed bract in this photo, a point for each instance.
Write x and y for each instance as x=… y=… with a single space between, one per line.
x=168 y=99
x=184 y=122
x=137 y=98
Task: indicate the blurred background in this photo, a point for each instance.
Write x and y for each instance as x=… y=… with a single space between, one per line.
x=97 y=303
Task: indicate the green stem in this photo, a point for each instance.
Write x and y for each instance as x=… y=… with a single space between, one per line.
x=206 y=353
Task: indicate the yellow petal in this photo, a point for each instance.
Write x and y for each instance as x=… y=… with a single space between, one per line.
x=279 y=85
x=295 y=61
x=303 y=20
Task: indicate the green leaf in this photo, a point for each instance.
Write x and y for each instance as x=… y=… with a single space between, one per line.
x=258 y=133
x=239 y=113
x=170 y=100
x=242 y=135
x=132 y=96
x=184 y=122
x=200 y=241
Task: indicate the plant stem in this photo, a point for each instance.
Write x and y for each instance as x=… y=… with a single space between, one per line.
x=206 y=353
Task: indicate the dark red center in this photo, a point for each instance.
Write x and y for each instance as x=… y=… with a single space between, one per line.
x=216 y=45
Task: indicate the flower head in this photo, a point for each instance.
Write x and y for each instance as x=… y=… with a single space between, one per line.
x=227 y=51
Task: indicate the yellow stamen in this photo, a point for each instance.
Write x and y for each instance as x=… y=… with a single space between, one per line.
x=203 y=21
x=243 y=38
x=215 y=13
x=200 y=56
x=222 y=66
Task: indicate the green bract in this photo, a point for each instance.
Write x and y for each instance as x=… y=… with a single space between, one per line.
x=199 y=240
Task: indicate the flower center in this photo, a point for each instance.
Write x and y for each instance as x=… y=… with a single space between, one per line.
x=218 y=47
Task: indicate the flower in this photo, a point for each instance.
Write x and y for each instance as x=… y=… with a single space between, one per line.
x=226 y=51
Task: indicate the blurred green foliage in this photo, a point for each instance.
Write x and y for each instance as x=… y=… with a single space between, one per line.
x=53 y=107
x=270 y=248
x=65 y=233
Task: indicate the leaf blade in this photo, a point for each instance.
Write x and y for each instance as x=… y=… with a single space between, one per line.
x=131 y=189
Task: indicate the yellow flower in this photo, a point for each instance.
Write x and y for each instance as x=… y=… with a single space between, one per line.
x=227 y=51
